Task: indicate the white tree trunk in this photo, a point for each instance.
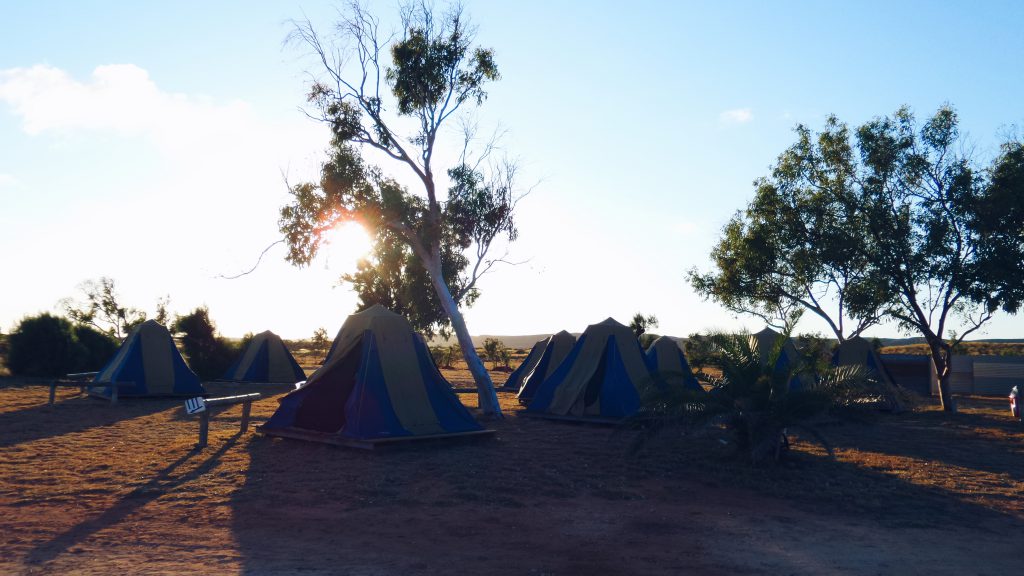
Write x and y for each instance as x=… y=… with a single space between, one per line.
x=944 y=376
x=487 y=397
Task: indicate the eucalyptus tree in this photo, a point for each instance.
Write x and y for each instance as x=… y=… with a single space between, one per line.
x=798 y=245
x=391 y=96
x=943 y=231
x=893 y=220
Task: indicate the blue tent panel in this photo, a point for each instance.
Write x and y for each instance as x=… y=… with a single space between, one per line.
x=545 y=391
x=619 y=397
x=368 y=410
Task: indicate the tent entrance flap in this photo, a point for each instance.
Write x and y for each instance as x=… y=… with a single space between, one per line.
x=322 y=405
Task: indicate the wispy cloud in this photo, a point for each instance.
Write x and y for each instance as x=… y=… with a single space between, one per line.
x=7 y=180
x=119 y=98
x=736 y=116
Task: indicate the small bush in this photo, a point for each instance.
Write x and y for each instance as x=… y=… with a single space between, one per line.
x=48 y=345
x=495 y=351
x=96 y=348
x=209 y=355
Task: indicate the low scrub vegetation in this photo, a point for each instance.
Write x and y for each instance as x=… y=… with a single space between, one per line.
x=48 y=345
x=757 y=400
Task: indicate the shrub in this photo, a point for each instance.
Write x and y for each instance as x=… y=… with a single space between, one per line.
x=754 y=402
x=494 y=350
x=95 y=348
x=48 y=345
x=209 y=355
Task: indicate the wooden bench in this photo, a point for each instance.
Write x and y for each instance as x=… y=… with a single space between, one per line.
x=245 y=400
x=79 y=380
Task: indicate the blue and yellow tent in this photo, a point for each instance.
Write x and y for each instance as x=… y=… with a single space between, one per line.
x=515 y=379
x=667 y=363
x=266 y=359
x=858 y=352
x=556 y=348
x=148 y=364
x=789 y=357
x=599 y=379
x=377 y=384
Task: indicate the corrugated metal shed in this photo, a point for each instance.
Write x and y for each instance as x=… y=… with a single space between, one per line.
x=908 y=371
x=961 y=375
x=996 y=375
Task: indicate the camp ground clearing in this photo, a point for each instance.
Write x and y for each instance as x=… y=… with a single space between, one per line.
x=92 y=488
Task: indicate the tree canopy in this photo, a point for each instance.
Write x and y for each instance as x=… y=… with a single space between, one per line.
x=424 y=238
x=102 y=309
x=894 y=220
x=799 y=243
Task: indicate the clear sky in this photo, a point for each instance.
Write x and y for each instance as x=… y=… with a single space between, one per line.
x=150 y=142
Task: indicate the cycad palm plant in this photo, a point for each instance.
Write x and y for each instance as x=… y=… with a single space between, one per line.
x=754 y=401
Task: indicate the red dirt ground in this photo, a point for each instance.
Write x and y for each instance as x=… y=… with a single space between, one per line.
x=91 y=488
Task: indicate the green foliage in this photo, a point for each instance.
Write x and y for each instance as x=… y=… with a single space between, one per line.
x=434 y=63
x=640 y=323
x=496 y=351
x=103 y=311
x=47 y=345
x=799 y=244
x=752 y=402
x=698 y=351
x=209 y=355
x=816 y=350
x=444 y=356
x=892 y=219
x=944 y=232
x=95 y=348
x=421 y=266
x=320 y=343
x=434 y=71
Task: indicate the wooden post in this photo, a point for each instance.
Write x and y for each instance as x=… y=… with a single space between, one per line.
x=53 y=391
x=213 y=404
x=246 y=408
x=204 y=428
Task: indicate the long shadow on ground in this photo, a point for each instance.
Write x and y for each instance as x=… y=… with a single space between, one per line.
x=555 y=498
x=164 y=482
x=70 y=415
x=970 y=441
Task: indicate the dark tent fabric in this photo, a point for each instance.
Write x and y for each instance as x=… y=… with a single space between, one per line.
x=378 y=382
x=148 y=364
x=265 y=359
x=789 y=356
x=556 y=348
x=858 y=352
x=515 y=379
x=667 y=363
x=600 y=378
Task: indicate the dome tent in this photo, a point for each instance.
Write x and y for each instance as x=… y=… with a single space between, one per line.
x=666 y=361
x=147 y=364
x=265 y=359
x=515 y=379
x=789 y=357
x=599 y=379
x=858 y=352
x=377 y=384
x=556 y=348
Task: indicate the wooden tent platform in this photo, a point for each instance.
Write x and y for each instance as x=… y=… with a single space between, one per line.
x=335 y=439
x=596 y=420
